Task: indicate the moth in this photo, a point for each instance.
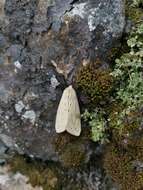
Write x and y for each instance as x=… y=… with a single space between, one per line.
x=68 y=114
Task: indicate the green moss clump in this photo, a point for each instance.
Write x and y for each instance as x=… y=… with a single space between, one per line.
x=71 y=150
x=61 y=141
x=113 y=53
x=134 y=11
x=119 y=165
x=120 y=162
x=38 y=174
x=73 y=156
x=95 y=83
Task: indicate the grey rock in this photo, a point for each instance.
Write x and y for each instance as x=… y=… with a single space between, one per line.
x=3 y=148
x=3 y=41
x=1 y=60
x=19 y=106
x=7 y=140
x=137 y=166
x=11 y=181
x=3 y=19
x=30 y=115
x=51 y=40
x=14 y=51
x=20 y=14
x=54 y=82
x=40 y=19
x=2 y=161
x=49 y=62
x=4 y=93
x=105 y=20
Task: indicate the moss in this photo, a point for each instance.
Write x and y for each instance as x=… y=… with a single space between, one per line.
x=119 y=163
x=125 y=149
x=120 y=166
x=62 y=140
x=114 y=53
x=71 y=149
x=39 y=174
x=129 y=126
x=95 y=83
x=73 y=156
x=111 y=112
x=133 y=12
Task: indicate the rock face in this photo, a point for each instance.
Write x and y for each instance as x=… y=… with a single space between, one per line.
x=42 y=45
x=10 y=181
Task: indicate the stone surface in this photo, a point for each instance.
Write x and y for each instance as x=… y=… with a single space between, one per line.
x=42 y=46
x=10 y=181
x=3 y=19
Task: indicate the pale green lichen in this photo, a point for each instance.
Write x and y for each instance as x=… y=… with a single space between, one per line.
x=128 y=71
x=97 y=124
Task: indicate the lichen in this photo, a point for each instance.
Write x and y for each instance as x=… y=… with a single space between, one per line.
x=97 y=124
x=128 y=75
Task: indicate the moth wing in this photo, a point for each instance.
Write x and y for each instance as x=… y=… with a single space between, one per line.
x=74 y=121
x=62 y=114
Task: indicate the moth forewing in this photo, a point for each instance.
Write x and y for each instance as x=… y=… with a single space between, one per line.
x=68 y=113
x=74 y=126
x=74 y=121
x=62 y=114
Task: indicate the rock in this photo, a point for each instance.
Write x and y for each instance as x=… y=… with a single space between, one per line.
x=3 y=20
x=19 y=106
x=54 y=82
x=53 y=176
x=3 y=41
x=3 y=148
x=90 y=179
x=4 y=93
x=40 y=19
x=1 y=60
x=7 y=140
x=2 y=3
x=137 y=166
x=46 y=43
x=20 y=14
x=30 y=115
x=10 y=181
x=14 y=52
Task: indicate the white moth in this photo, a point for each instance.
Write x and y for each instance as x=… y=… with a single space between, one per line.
x=68 y=113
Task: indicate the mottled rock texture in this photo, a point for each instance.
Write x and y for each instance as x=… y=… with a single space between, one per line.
x=42 y=45
x=10 y=181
